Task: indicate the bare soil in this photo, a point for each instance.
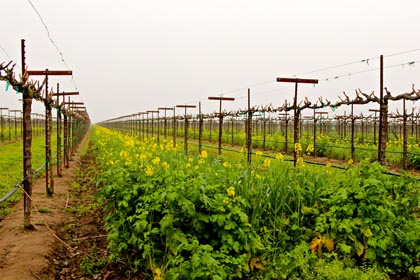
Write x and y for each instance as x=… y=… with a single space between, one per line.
x=84 y=232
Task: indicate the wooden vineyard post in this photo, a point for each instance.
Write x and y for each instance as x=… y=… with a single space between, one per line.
x=352 y=118
x=249 y=129
x=286 y=131
x=200 y=129
x=9 y=125
x=405 y=159
x=133 y=119
x=27 y=155
x=264 y=130
x=194 y=127
x=137 y=125
x=2 y=123
x=142 y=124
x=70 y=137
x=412 y=122
x=232 y=133
x=315 y=121
x=186 y=125
x=362 y=129
x=66 y=141
x=296 y=81
x=15 y=121
x=210 y=128
x=158 y=126
x=132 y=124
x=49 y=186
x=174 y=129
x=374 y=124
x=165 y=121
x=62 y=129
x=147 y=124
x=80 y=115
x=48 y=127
x=383 y=115
x=72 y=126
x=59 y=164
x=153 y=120
x=220 y=99
x=417 y=127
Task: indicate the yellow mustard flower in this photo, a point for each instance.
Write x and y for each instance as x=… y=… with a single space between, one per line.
x=203 y=154
x=300 y=162
x=267 y=163
x=165 y=165
x=156 y=160
x=279 y=156
x=310 y=149
x=231 y=191
x=149 y=171
x=129 y=142
x=124 y=154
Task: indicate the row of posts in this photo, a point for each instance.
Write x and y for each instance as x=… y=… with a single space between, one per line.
x=11 y=126
x=355 y=129
x=74 y=127
x=361 y=98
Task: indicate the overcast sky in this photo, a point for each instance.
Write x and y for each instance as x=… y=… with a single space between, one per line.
x=133 y=56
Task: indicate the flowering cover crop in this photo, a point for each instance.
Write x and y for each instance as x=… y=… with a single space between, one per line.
x=172 y=216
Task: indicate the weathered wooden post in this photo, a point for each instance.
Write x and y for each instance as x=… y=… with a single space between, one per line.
x=220 y=99
x=62 y=129
x=286 y=131
x=383 y=115
x=352 y=118
x=200 y=129
x=48 y=124
x=296 y=81
x=186 y=125
x=15 y=122
x=165 y=121
x=27 y=143
x=249 y=128
x=174 y=127
x=405 y=156
x=374 y=124
x=153 y=120
x=2 y=123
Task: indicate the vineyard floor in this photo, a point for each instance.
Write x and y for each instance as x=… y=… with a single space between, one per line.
x=24 y=253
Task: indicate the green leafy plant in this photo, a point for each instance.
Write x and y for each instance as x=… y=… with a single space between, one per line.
x=174 y=216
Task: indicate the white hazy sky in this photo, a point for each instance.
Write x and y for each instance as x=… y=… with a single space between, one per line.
x=130 y=56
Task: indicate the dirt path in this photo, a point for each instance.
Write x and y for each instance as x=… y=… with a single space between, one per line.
x=23 y=252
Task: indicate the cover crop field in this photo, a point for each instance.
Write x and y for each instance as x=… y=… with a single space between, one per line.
x=202 y=216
